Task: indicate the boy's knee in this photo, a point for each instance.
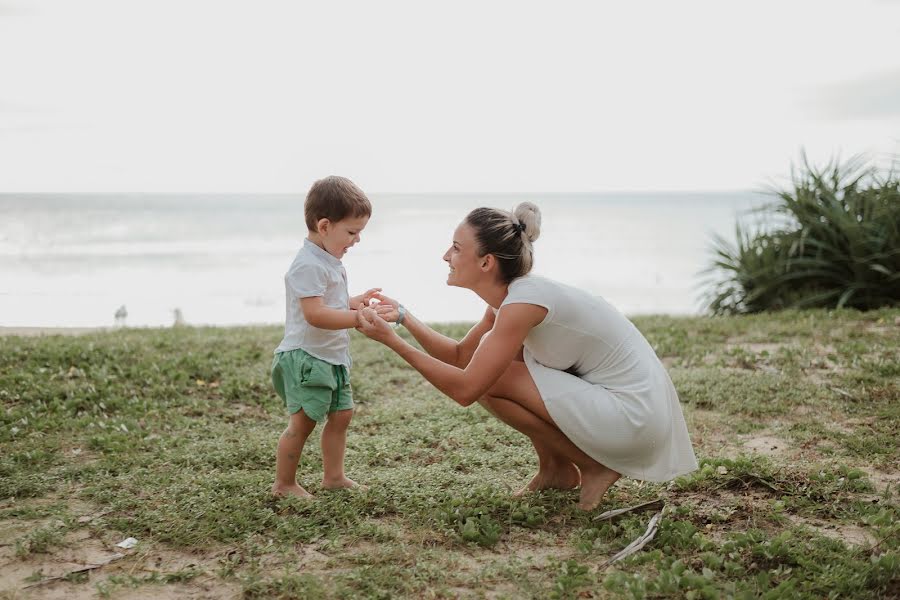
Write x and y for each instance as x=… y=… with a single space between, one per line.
x=341 y=416
x=300 y=422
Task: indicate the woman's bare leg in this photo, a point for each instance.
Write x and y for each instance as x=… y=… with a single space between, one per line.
x=515 y=400
x=554 y=470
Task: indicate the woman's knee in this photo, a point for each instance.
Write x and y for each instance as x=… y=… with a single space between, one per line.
x=517 y=385
x=489 y=403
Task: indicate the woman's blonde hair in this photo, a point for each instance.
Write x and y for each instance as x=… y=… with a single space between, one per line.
x=508 y=236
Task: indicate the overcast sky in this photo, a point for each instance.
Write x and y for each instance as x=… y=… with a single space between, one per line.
x=209 y=96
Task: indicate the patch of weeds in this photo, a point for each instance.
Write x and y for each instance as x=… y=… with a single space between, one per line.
x=741 y=473
x=77 y=577
x=43 y=539
x=483 y=515
x=608 y=537
x=35 y=577
x=32 y=512
x=750 y=393
x=571 y=578
x=760 y=473
x=24 y=484
x=673 y=580
x=155 y=578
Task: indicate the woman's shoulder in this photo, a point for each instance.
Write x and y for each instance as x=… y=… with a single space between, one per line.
x=533 y=284
x=541 y=290
x=531 y=289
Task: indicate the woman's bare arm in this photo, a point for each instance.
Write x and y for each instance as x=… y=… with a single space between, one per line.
x=488 y=362
x=444 y=348
x=440 y=346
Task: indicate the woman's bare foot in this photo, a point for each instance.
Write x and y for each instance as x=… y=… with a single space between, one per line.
x=565 y=477
x=345 y=483
x=594 y=483
x=280 y=491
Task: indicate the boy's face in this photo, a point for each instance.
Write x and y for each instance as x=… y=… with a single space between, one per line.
x=339 y=236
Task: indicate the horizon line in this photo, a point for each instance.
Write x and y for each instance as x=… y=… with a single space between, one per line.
x=390 y=193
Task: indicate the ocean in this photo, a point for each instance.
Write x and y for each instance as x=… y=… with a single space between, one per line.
x=71 y=260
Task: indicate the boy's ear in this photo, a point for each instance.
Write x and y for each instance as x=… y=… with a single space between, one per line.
x=322 y=226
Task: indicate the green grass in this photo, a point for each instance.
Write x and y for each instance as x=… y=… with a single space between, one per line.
x=168 y=436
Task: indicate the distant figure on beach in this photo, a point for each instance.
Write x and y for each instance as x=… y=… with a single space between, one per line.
x=121 y=315
x=179 y=318
x=561 y=366
x=311 y=367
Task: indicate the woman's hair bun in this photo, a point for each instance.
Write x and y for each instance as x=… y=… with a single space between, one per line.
x=529 y=215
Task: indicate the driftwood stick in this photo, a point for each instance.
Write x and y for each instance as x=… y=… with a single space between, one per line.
x=653 y=504
x=90 y=567
x=637 y=544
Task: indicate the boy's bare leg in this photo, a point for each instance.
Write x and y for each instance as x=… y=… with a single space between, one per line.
x=334 y=444
x=287 y=457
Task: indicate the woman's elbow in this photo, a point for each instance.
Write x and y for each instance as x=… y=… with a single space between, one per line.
x=467 y=398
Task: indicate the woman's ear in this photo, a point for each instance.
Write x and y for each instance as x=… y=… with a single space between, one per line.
x=488 y=262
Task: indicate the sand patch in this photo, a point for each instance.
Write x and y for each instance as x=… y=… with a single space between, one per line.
x=851 y=535
x=882 y=480
x=38 y=575
x=706 y=431
x=755 y=347
x=766 y=445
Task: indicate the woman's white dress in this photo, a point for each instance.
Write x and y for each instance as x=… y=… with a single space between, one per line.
x=602 y=382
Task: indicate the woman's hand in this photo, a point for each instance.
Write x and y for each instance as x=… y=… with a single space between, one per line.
x=372 y=325
x=365 y=297
x=388 y=308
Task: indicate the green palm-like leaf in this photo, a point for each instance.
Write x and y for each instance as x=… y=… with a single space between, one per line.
x=836 y=243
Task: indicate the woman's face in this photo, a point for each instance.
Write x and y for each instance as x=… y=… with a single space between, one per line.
x=463 y=259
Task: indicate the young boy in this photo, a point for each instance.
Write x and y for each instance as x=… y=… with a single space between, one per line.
x=311 y=368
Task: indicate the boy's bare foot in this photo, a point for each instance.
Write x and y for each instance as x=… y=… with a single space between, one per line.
x=565 y=477
x=280 y=491
x=594 y=484
x=345 y=483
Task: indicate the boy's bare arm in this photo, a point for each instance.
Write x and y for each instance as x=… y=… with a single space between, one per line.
x=318 y=315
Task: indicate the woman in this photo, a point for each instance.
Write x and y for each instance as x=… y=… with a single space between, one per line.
x=557 y=364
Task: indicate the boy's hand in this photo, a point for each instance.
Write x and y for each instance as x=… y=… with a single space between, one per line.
x=384 y=299
x=373 y=326
x=364 y=298
x=387 y=308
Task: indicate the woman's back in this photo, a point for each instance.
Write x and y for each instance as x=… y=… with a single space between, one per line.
x=585 y=335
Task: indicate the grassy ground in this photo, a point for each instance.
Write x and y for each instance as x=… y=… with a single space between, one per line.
x=168 y=436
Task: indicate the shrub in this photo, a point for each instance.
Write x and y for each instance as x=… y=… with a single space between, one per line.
x=832 y=241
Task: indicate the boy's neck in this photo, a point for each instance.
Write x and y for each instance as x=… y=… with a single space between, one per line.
x=316 y=239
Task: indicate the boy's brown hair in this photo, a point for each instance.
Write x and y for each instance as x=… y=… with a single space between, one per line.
x=334 y=198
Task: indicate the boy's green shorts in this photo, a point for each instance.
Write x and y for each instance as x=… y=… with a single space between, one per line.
x=309 y=383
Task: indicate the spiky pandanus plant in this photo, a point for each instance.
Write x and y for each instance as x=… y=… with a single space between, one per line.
x=836 y=244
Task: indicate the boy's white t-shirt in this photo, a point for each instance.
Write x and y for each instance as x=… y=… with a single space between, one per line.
x=314 y=272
